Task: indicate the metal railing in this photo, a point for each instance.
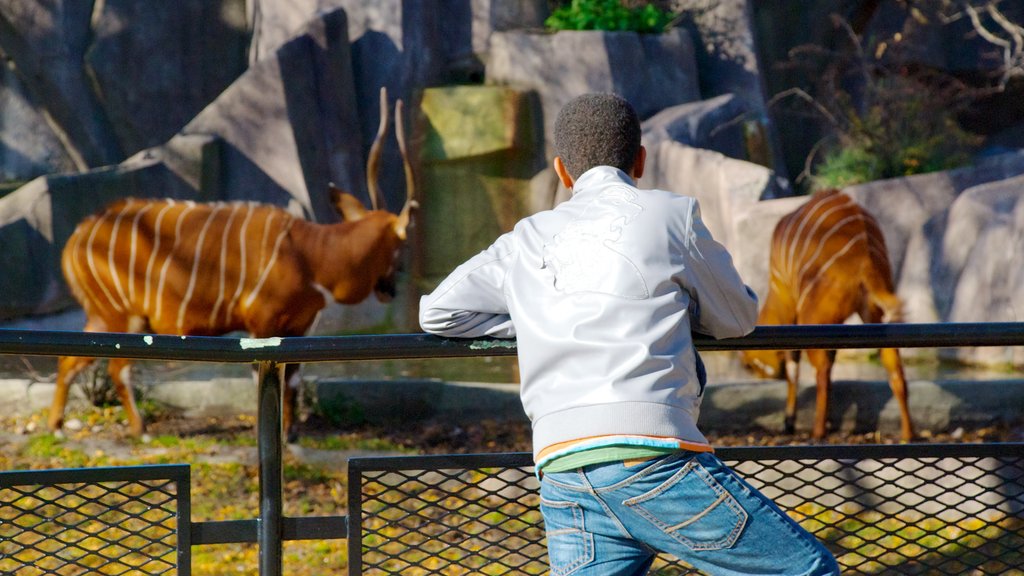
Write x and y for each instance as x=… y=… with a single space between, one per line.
x=272 y=528
x=124 y=520
x=924 y=509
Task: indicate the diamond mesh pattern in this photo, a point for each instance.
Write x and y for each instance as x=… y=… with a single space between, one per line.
x=102 y=527
x=949 y=514
x=453 y=522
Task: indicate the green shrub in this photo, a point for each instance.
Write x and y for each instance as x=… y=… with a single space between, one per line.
x=610 y=15
x=903 y=130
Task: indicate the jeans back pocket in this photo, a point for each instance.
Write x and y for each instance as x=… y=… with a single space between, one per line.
x=570 y=546
x=693 y=508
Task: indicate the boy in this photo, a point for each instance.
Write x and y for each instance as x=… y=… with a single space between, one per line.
x=602 y=293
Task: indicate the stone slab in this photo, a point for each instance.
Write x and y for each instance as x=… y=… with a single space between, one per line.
x=157 y=65
x=653 y=72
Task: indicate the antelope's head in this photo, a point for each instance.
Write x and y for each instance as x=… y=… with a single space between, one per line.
x=765 y=363
x=379 y=234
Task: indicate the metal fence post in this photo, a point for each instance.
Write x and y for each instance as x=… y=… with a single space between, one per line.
x=270 y=527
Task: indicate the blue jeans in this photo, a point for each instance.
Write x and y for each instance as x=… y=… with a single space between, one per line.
x=612 y=519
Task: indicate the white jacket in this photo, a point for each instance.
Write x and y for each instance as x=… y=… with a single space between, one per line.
x=601 y=293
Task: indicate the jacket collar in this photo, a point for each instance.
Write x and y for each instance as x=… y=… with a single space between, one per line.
x=600 y=176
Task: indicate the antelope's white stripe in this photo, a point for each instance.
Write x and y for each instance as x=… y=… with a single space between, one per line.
x=264 y=238
x=223 y=265
x=805 y=240
x=94 y=272
x=133 y=237
x=74 y=273
x=791 y=241
x=243 y=234
x=270 y=264
x=822 y=239
x=187 y=299
x=156 y=248
x=182 y=216
x=115 y=277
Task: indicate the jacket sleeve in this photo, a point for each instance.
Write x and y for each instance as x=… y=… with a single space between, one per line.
x=722 y=306
x=470 y=302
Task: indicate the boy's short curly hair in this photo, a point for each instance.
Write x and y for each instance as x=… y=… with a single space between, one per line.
x=597 y=130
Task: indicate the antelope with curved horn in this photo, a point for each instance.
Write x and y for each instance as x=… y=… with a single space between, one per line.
x=184 y=268
x=828 y=261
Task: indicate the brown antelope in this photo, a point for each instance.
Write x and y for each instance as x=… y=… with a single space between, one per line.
x=828 y=260
x=183 y=268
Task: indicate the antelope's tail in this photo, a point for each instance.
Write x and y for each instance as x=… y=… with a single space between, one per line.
x=878 y=279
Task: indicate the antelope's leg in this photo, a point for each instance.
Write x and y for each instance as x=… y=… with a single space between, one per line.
x=792 y=384
x=68 y=368
x=292 y=381
x=898 y=383
x=120 y=374
x=822 y=361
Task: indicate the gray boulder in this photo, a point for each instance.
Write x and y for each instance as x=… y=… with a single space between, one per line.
x=289 y=125
x=393 y=44
x=725 y=49
x=156 y=65
x=727 y=59
x=47 y=42
x=652 y=71
x=29 y=146
x=116 y=77
x=904 y=206
x=714 y=124
x=468 y=26
x=983 y=262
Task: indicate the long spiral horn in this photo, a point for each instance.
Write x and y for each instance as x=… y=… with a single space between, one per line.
x=410 y=177
x=373 y=162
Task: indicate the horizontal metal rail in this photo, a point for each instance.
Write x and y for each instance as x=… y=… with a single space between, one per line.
x=398 y=346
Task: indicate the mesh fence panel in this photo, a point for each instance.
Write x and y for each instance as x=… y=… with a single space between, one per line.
x=942 y=510
x=94 y=521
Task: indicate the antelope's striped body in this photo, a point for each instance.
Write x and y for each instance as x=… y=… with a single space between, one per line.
x=828 y=261
x=172 y=267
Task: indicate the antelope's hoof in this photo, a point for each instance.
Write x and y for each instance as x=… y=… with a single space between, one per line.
x=790 y=425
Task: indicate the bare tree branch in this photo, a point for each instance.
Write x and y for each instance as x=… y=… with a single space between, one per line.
x=1006 y=35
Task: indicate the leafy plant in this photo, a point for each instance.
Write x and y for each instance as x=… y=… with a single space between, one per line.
x=610 y=15
x=886 y=116
x=901 y=131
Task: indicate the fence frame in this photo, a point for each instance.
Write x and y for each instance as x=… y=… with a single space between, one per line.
x=272 y=528
x=379 y=472
x=178 y=474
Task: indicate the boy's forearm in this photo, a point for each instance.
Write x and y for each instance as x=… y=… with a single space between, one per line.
x=469 y=303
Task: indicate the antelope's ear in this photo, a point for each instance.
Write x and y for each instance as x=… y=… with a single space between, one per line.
x=350 y=208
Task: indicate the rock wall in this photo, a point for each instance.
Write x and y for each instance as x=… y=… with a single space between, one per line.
x=111 y=78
